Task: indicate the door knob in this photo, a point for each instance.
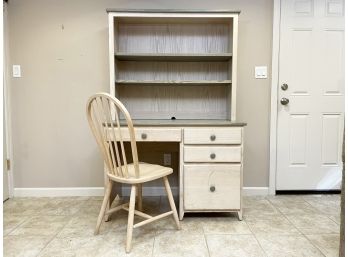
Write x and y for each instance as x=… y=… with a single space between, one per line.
x=284 y=101
x=143 y=136
x=284 y=86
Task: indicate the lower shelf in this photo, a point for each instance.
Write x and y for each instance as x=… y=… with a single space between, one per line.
x=174 y=82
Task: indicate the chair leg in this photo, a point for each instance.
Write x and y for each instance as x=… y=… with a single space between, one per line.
x=130 y=218
x=140 y=197
x=103 y=207
x=171 y=201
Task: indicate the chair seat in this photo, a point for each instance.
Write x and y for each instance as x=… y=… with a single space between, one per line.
x=147 y=172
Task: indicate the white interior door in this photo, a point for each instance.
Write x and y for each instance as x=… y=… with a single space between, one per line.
x=310 y=120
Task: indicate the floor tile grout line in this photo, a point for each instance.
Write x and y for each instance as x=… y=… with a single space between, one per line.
x=153 y=244
x=54 y=236
x=254 y=235
x=49 y=241
x=320 y=212
x=291 y=222
x=13 y=229
x=227 y=234
x=314 y=245
x=338 y=223
x=206 y=244
x=17 y=227
x=281 y=213
x=301 y=233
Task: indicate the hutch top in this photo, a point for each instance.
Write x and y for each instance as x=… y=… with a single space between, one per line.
x=174 y=64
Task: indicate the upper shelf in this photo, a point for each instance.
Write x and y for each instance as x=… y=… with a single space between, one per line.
x=174 y=82
x=173 y=57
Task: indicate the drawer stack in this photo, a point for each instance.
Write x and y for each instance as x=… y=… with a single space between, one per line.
x=212 y=174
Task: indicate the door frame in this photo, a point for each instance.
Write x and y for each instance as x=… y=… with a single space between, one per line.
x=6 y=97
x=274 y=97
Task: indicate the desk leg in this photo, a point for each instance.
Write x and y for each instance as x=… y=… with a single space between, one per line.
x=181 y=180
x=240 y=215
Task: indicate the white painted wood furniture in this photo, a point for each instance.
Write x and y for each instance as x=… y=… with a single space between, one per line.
x=176 y=73
x=103 y=111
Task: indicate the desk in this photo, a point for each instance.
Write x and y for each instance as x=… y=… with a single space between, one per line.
x=210 y=162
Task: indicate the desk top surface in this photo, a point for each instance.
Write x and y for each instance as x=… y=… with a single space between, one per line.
x=185 y=123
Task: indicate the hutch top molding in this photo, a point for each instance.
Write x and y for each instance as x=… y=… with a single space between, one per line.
x=117 y=10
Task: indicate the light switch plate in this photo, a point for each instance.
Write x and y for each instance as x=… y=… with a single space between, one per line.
x=260 y=72
x=16 y=71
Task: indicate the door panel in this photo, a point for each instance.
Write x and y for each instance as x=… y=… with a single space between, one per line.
x=330 y=139
x=298 y=139
x=310 y=126
x=301 y=47
x=334 y=46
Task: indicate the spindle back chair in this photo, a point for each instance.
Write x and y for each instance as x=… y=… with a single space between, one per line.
x=104 y=112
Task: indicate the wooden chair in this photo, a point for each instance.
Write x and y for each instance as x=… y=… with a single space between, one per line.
x=103 y=112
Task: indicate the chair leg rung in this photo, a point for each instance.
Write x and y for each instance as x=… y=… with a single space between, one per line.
x=163 y=215
x=117 y=208
x=139 y=213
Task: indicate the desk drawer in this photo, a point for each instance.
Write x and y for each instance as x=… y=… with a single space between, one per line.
x=152 y=134
x=212 y=187
x=212 y=154
x=213 y=135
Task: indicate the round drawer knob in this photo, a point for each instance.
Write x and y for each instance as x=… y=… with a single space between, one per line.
x=212 y=188
x=212 y=137
x=212 y=156
x=143 y=136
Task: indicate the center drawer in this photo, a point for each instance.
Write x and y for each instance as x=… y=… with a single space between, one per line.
x=213 y=135
x=212 y=187
x=212 y=154
x=149 y=134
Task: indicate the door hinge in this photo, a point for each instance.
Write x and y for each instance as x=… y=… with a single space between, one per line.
x=8 y=164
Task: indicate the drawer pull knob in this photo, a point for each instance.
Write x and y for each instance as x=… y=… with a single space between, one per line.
x=212 y=156
x=212 y=137
x=143 y=136
x=212 y=188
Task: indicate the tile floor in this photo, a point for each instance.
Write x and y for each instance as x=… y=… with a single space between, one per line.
x=277 y=226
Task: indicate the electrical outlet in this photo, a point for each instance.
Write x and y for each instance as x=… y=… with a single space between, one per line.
x=167 y=159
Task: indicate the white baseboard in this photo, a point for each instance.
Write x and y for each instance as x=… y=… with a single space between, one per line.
x=253 y=191
x=99 y=191
x=58 y=191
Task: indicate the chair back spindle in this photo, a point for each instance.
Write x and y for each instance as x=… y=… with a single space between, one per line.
x=103 y=113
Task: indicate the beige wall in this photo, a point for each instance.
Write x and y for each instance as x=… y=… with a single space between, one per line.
x=62 y=47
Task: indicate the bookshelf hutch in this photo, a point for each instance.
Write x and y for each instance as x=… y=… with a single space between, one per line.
x=176 y=73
